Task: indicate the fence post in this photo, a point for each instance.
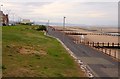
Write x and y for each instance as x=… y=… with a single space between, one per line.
x=103 y=44
x=113 y=44
x=98 y=44
x=93 y=44
x=118 y=44
x=110 y=52
x=77 y=41
x=108 y=44
x=100 y=49
x=74 y=38
x=115 y=54
x=105 y=50
x=88 y=43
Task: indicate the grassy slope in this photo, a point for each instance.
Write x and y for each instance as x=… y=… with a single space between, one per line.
x=0 y=51
x=54 y=63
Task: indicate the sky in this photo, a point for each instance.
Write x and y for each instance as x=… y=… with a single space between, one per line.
x=88 y=13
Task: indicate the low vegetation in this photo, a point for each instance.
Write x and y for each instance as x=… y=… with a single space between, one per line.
x=29 y=53
x=41 y=28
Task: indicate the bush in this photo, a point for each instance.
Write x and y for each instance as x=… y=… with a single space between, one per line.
x=41 y=28
x=3 y=67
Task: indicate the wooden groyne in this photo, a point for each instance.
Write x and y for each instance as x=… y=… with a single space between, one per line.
x=79 y=33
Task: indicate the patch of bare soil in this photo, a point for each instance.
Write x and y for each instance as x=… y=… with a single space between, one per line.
x=21 y=72
x=29 y=50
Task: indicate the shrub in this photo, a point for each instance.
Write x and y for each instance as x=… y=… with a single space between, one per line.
x=41 y=28
x=3 y=67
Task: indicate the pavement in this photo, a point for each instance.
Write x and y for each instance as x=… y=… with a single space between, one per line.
x=101 y=65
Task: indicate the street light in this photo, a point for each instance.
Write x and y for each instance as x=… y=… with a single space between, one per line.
x=47 y=26
x=64 y=22
x=48 y=22
x=13 y=14
x=1 y=7
x=63 y=27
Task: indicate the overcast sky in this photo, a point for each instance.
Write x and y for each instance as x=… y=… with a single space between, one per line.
x=89 y=13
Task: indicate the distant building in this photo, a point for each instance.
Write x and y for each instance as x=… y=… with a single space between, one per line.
x=4 y=20
x=25 y=21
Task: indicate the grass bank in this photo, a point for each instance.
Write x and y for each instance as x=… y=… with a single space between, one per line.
x=29 y=53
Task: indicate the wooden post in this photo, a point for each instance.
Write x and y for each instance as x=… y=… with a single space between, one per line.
x=77 y=41
x=108 y=44
x=115 y=54
x=73 y=38
x=88 y=42
x=100 y=49
x=105 y=50
x=93 y=44
x=118 y=44
x=103 y=44
x=109 y=52
x=113 y=44
x=98 y=44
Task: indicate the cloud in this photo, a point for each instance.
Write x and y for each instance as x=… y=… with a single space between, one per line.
x=76 y=12
x=59 y=0
x=55 y=8
x=67 y=9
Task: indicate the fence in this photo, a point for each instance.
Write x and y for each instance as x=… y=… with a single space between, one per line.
x=110 y=49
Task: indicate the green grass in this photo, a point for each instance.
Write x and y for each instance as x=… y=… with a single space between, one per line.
x=0 y=51
x=52 y=60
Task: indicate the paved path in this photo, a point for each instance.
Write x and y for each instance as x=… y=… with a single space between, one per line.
x=101 y=64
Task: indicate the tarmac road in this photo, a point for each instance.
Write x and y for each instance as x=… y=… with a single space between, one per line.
x=100 y=64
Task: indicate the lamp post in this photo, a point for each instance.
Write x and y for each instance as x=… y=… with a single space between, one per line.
x=48 y=22
x=1 y=7
x=64 y=22
x=47 y=27
x=63 y=27
x=13 y=14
